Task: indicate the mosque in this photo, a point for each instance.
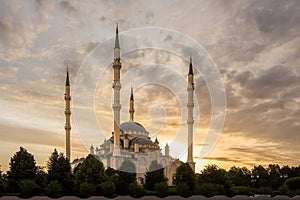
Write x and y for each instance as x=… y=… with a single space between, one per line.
x=130 y=140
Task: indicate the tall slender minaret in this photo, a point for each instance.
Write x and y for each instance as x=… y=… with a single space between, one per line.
x=68 y=115
x=131 y=106
x=190 y=120
x=116 y=87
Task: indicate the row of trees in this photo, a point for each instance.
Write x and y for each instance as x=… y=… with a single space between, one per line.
x=91 y=178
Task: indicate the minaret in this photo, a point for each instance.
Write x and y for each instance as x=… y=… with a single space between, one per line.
x=167 y=150
x=190 y=120
x=116 y=87
x=131 y=106
x=68 y=115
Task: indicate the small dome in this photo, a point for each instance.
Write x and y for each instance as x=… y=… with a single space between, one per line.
x=132 y=126
x=142 y=141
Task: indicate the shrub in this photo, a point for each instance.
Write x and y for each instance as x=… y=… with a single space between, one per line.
x=53 y=189
x=283 y=189
x=86 y=190
x=161 y=189
x=108 y=189
x=275 y=193
x=183 y=190
x=293 y=183
x=136 y=190
x=207 y=189
x=240 y=190
x=28 y=188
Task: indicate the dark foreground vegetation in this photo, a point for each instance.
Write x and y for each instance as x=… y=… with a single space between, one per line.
x=25 y=179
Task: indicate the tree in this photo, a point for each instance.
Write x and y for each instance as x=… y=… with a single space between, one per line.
x=239 y=176
x=274 y=178
x=215 y=175
x=185 y=174
x=22 y=166
x=41 y=178
x=28 y=188
x=260 y=175
x=154 y=175
x=2 y=184
x=91 y=170
x=59 y=169
x=126 y=176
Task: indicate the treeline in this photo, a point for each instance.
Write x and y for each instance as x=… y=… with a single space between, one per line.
x=88 y=178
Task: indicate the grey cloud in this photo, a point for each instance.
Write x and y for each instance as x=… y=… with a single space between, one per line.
x=270 y=82
x=68 y=6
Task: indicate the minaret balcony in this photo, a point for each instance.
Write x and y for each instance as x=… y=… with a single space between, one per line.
x=67 y=127
x=67 y=98
x=189 y=105
x=190 y=121
x=67 y=112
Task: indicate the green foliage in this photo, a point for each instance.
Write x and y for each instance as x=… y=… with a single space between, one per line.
x=108 y=188
x=59 y=169
x=293 y=183
x=136 y=190
x=126 y=176
x=28 y=188
x=91 y=170
x=213 y=174
x=284 y=189
x=161 y=189
x=261 y=176
x=2 y=186
x=40 y=178
x=239 y=176
x=185 y=174
x=241 y=190
x=22 y=166
x=183 y=190
x=53 y=189
x=87 y=189
x=209 y=189
x=154 y=175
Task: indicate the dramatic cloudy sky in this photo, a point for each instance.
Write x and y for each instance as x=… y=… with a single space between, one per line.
x=254 y=44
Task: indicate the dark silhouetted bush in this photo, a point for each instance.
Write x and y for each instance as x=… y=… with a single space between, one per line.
x=53 y=189
x=28 y=188
x=293 y=183
x=240 y=190
x=136 y=190
x=86 y=189
x=183 y=190
x=108 y=189
x=161 y=189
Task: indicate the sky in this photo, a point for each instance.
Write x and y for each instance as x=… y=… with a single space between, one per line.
x=251 y=46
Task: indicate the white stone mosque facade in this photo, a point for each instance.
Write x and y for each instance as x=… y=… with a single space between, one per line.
x=130 y=140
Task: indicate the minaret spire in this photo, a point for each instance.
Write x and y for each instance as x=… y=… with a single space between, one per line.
x=190 y=120
x=67 y=78
x=68 y=116
x=116 y=102
x=191 y=67
x=117 y=45
x=131 y=106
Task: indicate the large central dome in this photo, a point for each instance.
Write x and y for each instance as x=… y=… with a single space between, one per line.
x=133 y=128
